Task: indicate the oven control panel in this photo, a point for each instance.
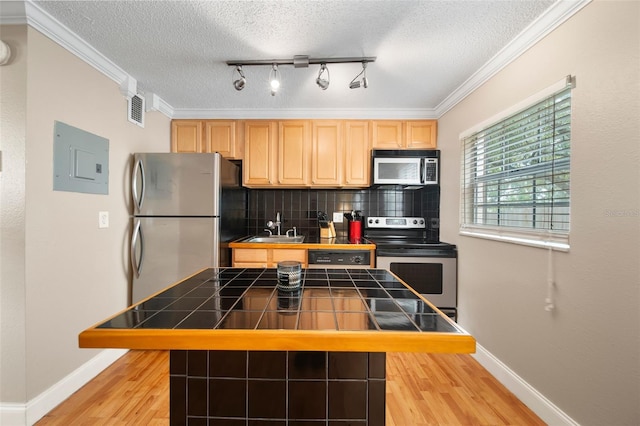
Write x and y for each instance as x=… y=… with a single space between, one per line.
x=396 y=222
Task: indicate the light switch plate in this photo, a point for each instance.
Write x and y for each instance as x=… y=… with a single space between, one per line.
x=103 y=219
x=337 y=217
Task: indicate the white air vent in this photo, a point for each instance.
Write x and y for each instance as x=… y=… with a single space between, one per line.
x=136 y=110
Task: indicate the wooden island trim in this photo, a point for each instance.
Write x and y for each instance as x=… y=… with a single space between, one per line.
x=281 y=340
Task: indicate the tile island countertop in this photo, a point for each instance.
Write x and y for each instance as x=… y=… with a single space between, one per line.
x=347 y=310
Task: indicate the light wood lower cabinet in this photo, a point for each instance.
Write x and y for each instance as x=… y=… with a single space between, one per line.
x=267 y=257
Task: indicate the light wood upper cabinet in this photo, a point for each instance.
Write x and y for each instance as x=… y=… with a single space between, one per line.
x=409 y=134
x=357 y=154
x=186 y=136
x=421 y=134
x=327 y=152
x=387 y=134
x=293 y=153
x=259 y=166
x=223 y=136
x=302 y=153
x=220 y=136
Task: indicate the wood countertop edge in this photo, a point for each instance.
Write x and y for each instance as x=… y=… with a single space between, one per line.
x=271 y=340
x=307 y=246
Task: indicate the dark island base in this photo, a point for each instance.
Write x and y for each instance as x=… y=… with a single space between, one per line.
x=264 y=388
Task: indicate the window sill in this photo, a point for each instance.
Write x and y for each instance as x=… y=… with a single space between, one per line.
x=554 y=241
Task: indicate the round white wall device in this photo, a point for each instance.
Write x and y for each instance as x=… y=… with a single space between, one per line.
x=5 y=53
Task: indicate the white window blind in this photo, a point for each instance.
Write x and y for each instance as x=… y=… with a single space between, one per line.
x=516 y=174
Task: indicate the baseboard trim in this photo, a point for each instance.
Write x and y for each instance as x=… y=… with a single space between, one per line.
x=526 y=393
x=15 y=414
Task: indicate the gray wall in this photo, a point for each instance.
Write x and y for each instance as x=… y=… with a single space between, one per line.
x=585 y=355
x=60 y=273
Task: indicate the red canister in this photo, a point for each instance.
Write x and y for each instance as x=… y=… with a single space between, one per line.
x=355 y=230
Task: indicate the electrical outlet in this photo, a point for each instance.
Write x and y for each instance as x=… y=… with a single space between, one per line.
x=337 y=217
x=103 y=219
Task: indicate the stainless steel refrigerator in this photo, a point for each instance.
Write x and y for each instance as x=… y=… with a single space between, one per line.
x=187 y=208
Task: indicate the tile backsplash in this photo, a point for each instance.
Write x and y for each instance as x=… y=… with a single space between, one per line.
x=299 y=207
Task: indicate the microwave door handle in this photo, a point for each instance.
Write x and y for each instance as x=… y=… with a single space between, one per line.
x=423 y=170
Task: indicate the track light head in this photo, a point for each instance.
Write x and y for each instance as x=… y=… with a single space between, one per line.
x=274 y=79
x=242 y=81
x=355 y=83
x=323 y=83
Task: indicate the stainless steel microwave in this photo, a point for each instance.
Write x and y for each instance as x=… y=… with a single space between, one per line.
x=405 y=167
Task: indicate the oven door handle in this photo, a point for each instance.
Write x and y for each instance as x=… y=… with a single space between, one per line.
x=415 y=253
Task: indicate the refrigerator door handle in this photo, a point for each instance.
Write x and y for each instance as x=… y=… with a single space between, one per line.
x=138 y=169
x=137 y=265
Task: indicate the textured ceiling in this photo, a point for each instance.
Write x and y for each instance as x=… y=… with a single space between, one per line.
x=178 y=49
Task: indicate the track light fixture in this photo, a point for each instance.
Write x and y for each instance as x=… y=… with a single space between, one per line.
x=323 y=83
x=302 y=61
x=240 y=83
x=365 y=83
x=274 y=79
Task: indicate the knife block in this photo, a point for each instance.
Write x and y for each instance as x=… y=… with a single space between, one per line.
x=329 y=232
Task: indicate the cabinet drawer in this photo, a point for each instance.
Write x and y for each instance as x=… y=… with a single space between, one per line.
x=289 y=254
x=250 y=255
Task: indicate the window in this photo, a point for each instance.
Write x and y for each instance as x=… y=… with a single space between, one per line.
x=516 y=175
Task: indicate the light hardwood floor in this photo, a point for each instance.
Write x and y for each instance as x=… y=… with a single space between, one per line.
x=422 y=389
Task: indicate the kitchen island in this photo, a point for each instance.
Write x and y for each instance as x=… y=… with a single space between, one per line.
x=243 y=351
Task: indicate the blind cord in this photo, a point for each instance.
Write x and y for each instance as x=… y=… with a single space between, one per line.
x=549 y=306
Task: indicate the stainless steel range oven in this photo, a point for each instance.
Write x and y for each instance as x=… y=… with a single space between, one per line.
x=429 y=267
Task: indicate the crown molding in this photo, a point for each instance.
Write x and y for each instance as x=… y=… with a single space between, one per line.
x=12 y=13
x=558 y=13
x=53 y=29
x=552 y=18
x=317 y=113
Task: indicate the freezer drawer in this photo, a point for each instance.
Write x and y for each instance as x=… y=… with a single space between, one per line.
x=165 y=250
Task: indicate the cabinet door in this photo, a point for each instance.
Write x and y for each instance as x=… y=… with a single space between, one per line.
x=387 y=134
x=293 y=153
x=250 y=258
x=259 y=153
x=278 y=255
x=186 y=136
x=421 y=134
x=326 y=153
x=357 y=158
x=220 y=136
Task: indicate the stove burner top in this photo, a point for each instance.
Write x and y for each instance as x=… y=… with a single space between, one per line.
x=405 y=233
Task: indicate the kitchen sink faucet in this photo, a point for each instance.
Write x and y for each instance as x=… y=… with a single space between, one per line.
x=274 y=225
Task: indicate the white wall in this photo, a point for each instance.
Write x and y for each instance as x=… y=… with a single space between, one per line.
x=74 y=274
x=585 y=355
